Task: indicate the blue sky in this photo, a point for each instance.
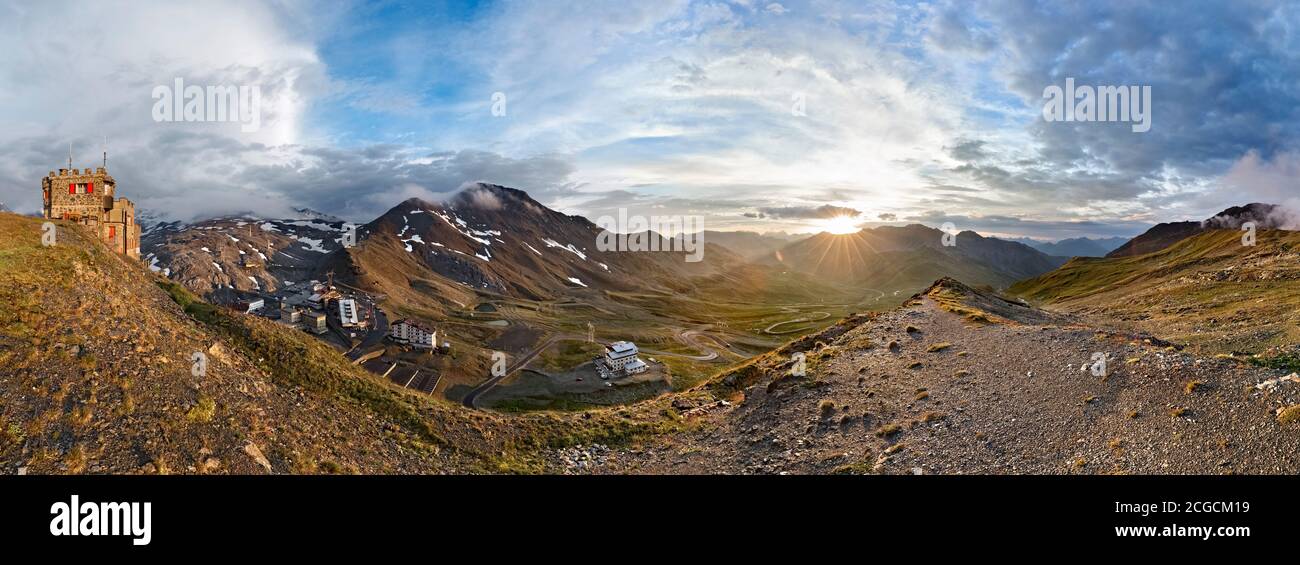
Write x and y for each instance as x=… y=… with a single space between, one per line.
x=912 y=112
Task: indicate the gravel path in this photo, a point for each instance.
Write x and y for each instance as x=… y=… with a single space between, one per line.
x=1001 y=398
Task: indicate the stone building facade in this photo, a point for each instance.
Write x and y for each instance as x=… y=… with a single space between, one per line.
x=87 y=197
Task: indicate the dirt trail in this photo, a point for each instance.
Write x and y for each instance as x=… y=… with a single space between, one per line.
x=713 y=346
x=1000 y=398
x=816 y=317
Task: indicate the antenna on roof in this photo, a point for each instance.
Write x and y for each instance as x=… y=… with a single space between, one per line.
x=69 y=156
x=105 y=146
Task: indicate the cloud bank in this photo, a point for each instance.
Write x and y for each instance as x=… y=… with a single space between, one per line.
x=755 y=115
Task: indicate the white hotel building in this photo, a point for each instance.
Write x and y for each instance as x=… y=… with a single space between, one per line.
x=621 y=359
x=413 y=333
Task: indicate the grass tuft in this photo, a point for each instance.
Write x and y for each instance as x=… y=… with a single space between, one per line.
x=889 y=430
x=1289 y=414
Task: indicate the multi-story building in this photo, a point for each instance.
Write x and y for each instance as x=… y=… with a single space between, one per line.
x=413 y=333
x=348 y=313
x=621 y=359
x=315 y=322
x=87 y=197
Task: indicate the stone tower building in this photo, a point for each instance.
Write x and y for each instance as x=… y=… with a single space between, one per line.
x=86 y=197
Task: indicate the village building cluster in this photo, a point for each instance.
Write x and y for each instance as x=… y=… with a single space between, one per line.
x=317 y=306
x=311 y=307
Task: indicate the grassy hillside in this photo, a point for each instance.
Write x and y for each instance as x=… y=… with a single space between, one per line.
x=932 y=388
x=1208 y=290
x=95 y=376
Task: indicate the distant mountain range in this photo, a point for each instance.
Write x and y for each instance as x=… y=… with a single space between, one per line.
x=487 y=239
x=909 y=258
x=1074 y=247
x=498 y=240
x=751 y=245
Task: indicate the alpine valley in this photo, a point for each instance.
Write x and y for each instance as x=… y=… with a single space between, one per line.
x=893 y=349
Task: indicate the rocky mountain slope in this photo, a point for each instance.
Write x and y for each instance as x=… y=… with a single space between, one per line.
x=498 y=240
x=219 y=257
x=487 y=238
x=911 y=257
x=97 y=375
x=1265 y=216
x=934 y=387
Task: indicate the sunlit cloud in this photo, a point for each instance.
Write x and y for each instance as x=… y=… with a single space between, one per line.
x=894 y=110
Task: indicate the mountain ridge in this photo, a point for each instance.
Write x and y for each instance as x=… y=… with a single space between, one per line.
x=1162 y=235
x=1209 y=290
x=1074 y=246
x=911 y=257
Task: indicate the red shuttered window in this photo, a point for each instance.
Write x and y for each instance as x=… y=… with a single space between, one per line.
x=112 y=232
x=72 y=188
x=90 y=188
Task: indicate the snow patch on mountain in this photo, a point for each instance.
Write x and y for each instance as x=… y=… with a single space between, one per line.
x=570 y=248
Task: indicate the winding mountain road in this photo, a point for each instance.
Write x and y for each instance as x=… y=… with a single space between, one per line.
x=473 y=396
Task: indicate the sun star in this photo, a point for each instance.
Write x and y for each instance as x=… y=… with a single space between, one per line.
x=840 y=225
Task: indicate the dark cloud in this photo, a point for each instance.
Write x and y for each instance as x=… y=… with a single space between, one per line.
x=186 y=175
x=1222 y=78
x=968 y=150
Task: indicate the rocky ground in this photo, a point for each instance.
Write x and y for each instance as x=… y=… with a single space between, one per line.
x=959 y=382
